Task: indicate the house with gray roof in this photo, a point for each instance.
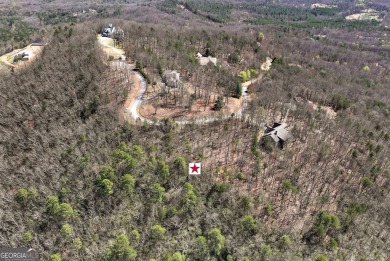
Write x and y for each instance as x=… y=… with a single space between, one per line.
x=171 y=78
x=279 y=134
x=108 y=30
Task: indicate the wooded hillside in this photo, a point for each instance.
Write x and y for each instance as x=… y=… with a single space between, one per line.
x=77 y=183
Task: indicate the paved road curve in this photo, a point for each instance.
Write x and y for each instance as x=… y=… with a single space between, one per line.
x=134 y=105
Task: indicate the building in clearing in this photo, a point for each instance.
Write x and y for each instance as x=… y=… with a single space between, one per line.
x=38 y=42
x=24 y=56
x=279 y=134
x=206 y=60
x=108 y=30
x=171 y=78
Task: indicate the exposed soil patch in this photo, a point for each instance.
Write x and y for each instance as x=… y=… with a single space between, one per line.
x=198 y=109
x=368 y=14
x=330 y=113
x=124 y=112
x=108 y=48
x=7 y=59
x=267 y=64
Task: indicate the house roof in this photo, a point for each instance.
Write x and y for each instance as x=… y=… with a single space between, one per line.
x=278 y=132
x=108 y=29
x=207 y=60
x=38 y=42
x=172 y=74
x=171 y=78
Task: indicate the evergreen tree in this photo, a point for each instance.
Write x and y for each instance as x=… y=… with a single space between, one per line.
x=216 y=241
x=120 y=250
x=218 y=105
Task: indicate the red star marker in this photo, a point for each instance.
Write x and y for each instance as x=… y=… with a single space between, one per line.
x=194 y=168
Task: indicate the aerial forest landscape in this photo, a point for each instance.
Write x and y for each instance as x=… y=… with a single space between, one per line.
x=195 y=130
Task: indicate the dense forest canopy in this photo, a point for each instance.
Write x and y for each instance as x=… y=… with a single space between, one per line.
x=79 y=182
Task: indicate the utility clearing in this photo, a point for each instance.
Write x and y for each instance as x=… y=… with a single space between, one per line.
x=8 y=60
x=109 y=48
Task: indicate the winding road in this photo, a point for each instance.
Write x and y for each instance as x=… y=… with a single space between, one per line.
x=133 y=108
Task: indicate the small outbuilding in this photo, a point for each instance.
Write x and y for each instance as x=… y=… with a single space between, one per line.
x=38 y=42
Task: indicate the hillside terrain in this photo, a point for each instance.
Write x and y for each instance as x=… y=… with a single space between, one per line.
x=82 y=180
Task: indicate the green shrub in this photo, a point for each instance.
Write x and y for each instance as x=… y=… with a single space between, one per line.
x=33 y=193
x=246 y=202
x=340 y=102
x=158 y=192
x=218 y=105
x=172 y=211
x=268 y=209
x=321 y=257
x=220 y=187
x=66 y=230
x=266 y=251
x=162 y=169
x=22 y=196
x=56 y=257
x=66 y=211
x=289 y=186
x=333 y=243
x=200 y=248
x=178 y=257
x=162 y=213
x=240 y=176
x=77 y=243
x=27 y=236
x=63 y=210
x=106 y=187
x=83 y=163
x=216 y=241
x=267 y=144
x=356 y=209
x=135 y=235
x=260 y=37
x=158 y=232
x=190 y=198
x=367 y=182
x=106 y=172
x=326 y=222
x=52 y=206
x=249 y=224
x=284 y=242
x=179 y=165
x=120 y=250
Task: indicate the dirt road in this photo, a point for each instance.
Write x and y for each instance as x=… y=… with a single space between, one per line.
x=136 y=96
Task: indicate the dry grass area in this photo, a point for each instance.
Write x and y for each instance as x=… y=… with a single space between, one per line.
x=329 y=111
x=124 y=113
x=319 y=5
x=108 y=48
x=368 y=14
x=6 y=61
x=158 y=110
